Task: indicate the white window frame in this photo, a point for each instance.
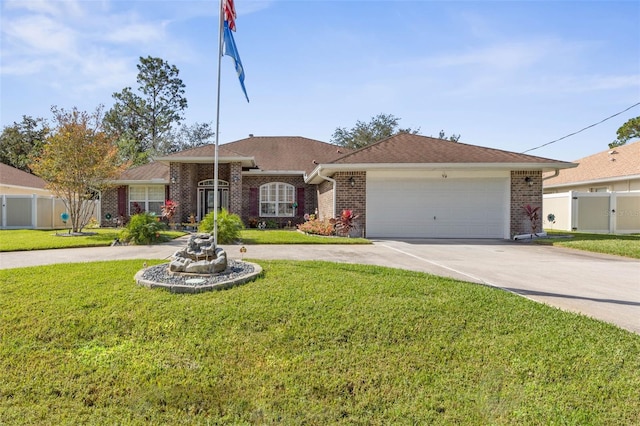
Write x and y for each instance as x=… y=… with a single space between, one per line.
x=277 y=199
x=148 y=198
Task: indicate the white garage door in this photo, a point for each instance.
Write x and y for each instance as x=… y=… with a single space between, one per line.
x=436 y=207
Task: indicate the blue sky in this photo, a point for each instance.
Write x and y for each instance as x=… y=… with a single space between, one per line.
x=511 y=75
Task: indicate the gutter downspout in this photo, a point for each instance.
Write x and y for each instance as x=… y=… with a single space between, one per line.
x=555 y=174
x=333 y=181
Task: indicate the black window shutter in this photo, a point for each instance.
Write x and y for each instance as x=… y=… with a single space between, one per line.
x=300 y=201
x=122 y=201
x=253 y=202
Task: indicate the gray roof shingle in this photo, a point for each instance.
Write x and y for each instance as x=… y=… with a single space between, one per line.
x=608 y=164
x=409 y=148
x=16 y=177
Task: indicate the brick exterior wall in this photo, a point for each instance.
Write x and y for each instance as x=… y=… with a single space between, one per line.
x=185 y=188
x=352 y=197
x=235 y=188
x=521 y=195
x=109 y=204
x=310 y=200
x=325 y=200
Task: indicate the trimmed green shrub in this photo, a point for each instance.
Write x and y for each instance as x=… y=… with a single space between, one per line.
x=143 y=228
x=229 y=226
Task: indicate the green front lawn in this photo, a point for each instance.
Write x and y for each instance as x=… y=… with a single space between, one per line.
x=31 y=239
x=619 y=245
x=310 y=343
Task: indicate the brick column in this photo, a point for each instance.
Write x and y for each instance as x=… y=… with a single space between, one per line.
x=526 y=188
x=235 y=188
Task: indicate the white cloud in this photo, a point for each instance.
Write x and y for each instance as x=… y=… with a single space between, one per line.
x=509 y=55
x=140 y=32
x=77 y=46
x=39 y=35
x=57 y=9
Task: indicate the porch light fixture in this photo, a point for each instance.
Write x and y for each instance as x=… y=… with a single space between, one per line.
x=174 y=180
x=529 y=181
x=352 y=181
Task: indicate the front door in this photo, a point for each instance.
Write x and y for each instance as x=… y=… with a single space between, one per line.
x=206 y=200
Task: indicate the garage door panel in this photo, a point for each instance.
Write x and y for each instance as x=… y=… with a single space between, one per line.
x=437 y=208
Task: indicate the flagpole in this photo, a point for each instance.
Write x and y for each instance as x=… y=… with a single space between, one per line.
x=215 y=158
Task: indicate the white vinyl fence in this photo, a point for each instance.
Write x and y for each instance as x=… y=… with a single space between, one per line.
x=34 y=212
x=595 y=212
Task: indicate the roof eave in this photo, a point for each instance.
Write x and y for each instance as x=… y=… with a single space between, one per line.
x=333 y=168
x=259 y=172
x=246 y=161
x=593 y=181
x=140 y=182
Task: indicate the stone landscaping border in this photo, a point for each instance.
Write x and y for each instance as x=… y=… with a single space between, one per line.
x=195 y=286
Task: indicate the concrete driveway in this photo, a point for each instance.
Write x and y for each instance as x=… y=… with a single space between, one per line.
x=600 y=286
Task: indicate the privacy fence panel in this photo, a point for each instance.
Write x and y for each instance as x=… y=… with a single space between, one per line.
x=628 y=213
x=596 y=212
x=35 y=212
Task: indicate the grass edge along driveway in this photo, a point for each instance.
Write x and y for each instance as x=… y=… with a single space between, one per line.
x=30 y=239
x=308 y=343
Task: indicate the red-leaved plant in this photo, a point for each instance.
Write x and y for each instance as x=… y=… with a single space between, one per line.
x=532 y=214
x=169 y=209
x=345 y=222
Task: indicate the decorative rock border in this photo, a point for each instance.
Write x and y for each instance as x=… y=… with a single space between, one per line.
x=237 y=273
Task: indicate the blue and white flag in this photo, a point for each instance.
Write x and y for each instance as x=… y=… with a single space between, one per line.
x=229 y=48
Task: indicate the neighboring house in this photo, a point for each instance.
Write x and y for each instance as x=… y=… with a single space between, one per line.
x=26 y=202
x=406 y=186
x=17 y=182
x=601 y=195
x=612 y=170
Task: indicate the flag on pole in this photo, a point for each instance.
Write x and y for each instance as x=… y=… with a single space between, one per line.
x=230 y=49
x=230 y=13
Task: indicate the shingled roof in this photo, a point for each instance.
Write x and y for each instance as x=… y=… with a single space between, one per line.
x=610 y=164
x=287 y=153
x=406 y=148
x=16 y=177
x=299 y=154
x=148 y=173
x=267 y=153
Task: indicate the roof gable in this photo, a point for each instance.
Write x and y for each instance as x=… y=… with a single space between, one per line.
x=411 y=149
x=609 y=164
x=287 y=153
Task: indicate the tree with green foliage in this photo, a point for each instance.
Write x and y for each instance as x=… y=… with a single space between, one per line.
x=362 y=134
x=629 y=130
x=21 y=142
x=143 y=120
x=187 y=137
x=452 y=138
x=78 y=160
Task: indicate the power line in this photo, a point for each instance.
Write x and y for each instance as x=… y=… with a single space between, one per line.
x=582 y=130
